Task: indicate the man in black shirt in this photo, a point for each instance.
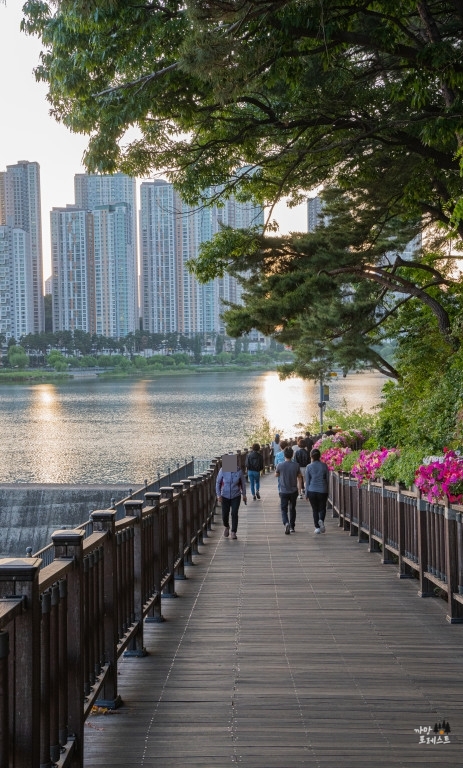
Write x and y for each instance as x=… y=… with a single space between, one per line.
x=302 y=457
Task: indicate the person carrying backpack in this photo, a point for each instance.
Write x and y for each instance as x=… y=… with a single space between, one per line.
x=254 y=464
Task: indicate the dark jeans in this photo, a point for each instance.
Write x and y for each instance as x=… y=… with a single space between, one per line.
x=285 y=499
x=318 y=503
x=233 y=506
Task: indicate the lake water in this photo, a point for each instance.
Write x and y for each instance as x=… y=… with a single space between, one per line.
x=125 y=431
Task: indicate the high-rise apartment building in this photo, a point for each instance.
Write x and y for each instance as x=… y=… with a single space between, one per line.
x=94 y=258
x=171 y=233
x=114 y=281
x=160 y=250
x=72 y=269
x=315 y=215
x=93 y=191
x=20 y=209
x=16 y=289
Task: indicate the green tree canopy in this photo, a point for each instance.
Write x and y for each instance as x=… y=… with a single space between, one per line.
x=295 y=92
x=332 y=295
x=17 y=357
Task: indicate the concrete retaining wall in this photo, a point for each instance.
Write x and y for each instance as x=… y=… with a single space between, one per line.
x=29 y=514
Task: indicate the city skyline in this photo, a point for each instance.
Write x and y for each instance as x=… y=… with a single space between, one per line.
x=96 y=285
x=31 y=134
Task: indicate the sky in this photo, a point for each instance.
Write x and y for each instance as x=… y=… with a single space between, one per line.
x=28 y=132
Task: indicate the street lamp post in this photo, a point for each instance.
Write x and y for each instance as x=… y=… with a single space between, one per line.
x=322 y=403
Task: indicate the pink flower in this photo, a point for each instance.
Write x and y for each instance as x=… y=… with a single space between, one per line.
x=441 y=478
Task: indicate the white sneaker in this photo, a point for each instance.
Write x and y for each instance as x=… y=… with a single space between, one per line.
x=317 y=530
x=321 y=525
x=301 y=495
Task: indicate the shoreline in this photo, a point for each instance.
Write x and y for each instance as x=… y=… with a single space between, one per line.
x=43 y=377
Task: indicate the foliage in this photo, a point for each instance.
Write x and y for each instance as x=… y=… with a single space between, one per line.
x=349 y=460
x=346 y=419
x=295 y=92
x=270 y=99
x=57 y=360
x=369 y=463
x=332 y=294
x=17 y=357
x=262 y=433
x=335 y=456
x=441 y=477
x=401 y=467
x=422 y=409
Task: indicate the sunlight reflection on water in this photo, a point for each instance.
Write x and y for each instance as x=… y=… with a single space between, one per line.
x=91 y=431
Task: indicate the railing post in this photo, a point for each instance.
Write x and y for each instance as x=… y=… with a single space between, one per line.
x=196 y=533
x=182 y=544
x=105 y=520
x=451 y=565
x=425 y=589
x=68 y=545
x=385 y=558
x=4 y=693
x=460 y=551
x=152 y=499
x=133 y=508
x=167 y=492
x=20 y=578
x=187 y=506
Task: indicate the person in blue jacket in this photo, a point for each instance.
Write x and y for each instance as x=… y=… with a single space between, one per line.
x=229 y=488
x=316 y=489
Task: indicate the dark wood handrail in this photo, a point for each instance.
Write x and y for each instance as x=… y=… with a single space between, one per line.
x=68 y=614
x=64 y=625
x=424 y=540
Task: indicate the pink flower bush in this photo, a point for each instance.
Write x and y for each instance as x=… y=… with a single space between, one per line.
x=346 y=438
x=440 y=478
x=369 y=463
x=334 y=456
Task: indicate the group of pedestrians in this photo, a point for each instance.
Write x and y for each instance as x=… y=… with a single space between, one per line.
x=291 y=475
x=299 y=473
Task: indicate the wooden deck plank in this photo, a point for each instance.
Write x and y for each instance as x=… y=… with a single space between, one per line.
x=285 y=651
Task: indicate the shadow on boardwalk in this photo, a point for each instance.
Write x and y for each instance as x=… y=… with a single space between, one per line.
x=285 y=651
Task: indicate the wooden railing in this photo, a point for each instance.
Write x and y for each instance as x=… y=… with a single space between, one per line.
x=64 y=626
x=424 y=540
x=68 y=613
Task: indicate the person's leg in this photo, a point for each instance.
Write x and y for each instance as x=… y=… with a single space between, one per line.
x=252 y=480
x=292 y=514
x=226 y=503
x=284 y=501
x=235 y=504
x=258 y=484
x=322 y=499
x=313 y=498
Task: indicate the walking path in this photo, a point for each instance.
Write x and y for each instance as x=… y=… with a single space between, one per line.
x=285 y=651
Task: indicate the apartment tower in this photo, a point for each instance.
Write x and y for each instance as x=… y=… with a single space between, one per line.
x=20 y=209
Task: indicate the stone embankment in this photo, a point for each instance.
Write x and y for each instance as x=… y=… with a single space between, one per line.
x=30 y=513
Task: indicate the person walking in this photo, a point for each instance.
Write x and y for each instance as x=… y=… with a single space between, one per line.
x=309 y=442
x=316 y=489
x=229 y=488
x=288 y=473
x=302 y=458
x=254 y=465
x=280 y=456
x=276 y=447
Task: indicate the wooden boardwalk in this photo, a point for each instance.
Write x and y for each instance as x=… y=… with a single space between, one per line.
x=285 y=651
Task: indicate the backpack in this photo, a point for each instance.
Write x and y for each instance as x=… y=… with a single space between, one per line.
x=302 y=457
x=254 y=461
